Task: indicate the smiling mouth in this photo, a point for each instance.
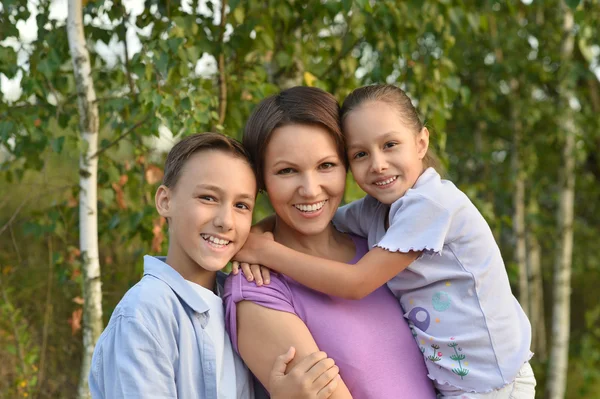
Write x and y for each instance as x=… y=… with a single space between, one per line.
x=310 y=208
x=386 y=182
x=215 y=241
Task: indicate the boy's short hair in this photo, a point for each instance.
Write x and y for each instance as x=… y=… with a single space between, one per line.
x=194 y=143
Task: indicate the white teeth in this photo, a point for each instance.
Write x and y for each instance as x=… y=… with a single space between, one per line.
x=215 y=240
x=388 y=181
x=310 y=208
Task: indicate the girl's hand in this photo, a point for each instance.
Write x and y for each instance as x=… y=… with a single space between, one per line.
x=315 y=377
x=261 y=274
x=244 y=259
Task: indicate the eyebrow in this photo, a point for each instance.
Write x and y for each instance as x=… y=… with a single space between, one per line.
x=383 y=136
x=286 y=162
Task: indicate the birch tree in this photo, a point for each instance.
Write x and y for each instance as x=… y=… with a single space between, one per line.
x=519 y=204
x=88 y=168
x=561 y=312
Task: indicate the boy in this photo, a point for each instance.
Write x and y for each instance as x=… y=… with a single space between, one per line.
x=166 y=338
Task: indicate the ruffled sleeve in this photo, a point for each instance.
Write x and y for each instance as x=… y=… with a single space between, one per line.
x=275 y=295
x=417 y=223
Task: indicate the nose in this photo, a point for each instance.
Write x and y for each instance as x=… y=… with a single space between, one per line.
x=378 y=163
x=311 y=186
x=224 y=218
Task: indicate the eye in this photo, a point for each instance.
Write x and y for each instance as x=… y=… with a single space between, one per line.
x=285 y=171
x=242 y=205
x=207 y=198
x=390 y=144
x=359 y=154
x=327 y=165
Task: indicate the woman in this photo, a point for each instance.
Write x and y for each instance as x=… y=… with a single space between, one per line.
x=295 y=143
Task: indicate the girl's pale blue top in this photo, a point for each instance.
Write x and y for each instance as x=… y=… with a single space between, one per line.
x=156 y=346
x=456 y=295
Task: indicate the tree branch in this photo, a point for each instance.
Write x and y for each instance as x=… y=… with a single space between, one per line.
x=121 y=137
x=340 y=56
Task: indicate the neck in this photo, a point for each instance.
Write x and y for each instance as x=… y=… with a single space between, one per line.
x=189 y=269
x=320 y=244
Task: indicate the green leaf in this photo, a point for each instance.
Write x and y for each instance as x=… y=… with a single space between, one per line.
x=573 y=3
x=57 y=144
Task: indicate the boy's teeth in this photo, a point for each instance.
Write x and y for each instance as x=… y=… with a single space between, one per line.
x=310 y=208
x=215 y=240
x=388 y=181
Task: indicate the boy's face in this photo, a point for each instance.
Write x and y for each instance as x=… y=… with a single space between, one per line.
x=209 y=210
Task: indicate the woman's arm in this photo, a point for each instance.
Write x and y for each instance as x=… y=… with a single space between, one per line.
x=334 y=278
x=276 y=331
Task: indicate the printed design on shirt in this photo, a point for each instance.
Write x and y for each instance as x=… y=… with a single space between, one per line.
x=460 y=358
x=441 y=301
x=420 y=318
x=414 y=334
x=436 y=355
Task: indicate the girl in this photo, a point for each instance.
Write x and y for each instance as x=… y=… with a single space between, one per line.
x=432 y=247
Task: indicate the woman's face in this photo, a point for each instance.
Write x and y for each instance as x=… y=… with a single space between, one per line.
x=304 y=177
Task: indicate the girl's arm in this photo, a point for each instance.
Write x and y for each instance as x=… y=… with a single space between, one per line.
x=276 y=331
x=334 y=278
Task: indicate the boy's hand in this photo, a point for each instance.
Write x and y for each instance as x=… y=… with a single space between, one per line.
x=252 y=271
x=315 y=377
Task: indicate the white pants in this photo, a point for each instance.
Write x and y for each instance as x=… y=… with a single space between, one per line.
x=523 y=387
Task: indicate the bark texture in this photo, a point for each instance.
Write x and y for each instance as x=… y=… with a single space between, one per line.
x=88 y=168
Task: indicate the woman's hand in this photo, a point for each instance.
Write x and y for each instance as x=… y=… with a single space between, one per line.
x=315 y=377
x=247 y=259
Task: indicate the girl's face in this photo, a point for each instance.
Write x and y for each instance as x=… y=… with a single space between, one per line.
x=386 y=156
x=304 y=177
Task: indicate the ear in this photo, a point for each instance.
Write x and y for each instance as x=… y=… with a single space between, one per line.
x=162 y=201
x=422 y=141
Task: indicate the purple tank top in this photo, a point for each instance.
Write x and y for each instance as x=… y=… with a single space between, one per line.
x=369 y=339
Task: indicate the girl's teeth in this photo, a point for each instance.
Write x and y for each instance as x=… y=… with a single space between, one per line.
x=383 y=183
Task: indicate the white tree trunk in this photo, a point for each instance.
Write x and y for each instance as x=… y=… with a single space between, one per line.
x=519 y=213
x=88 y=167
x=536 y=296
x=561 y=311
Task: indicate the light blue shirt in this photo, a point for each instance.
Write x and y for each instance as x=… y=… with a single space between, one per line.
x=156 y=346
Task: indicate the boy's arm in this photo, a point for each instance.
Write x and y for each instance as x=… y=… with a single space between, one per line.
x=334 y=278
x=130 y=363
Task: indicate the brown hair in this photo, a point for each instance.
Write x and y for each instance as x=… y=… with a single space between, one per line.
x=397 y=98
x=296 y=105
x=194 y=143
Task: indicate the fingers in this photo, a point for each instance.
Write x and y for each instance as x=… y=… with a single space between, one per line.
x=322 y=367
x=235 y=267
x=255 y=269
x=330 y=388
x=246 y=270
x=282 y=361
x=309 y=362
x=266 y=274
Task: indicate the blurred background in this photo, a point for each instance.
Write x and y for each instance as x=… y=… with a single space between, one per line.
x=510 y=90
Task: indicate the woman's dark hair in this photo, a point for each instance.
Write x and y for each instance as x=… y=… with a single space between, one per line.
x=297 y=105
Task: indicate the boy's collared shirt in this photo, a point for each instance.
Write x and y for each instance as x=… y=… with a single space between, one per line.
x=156 y=346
